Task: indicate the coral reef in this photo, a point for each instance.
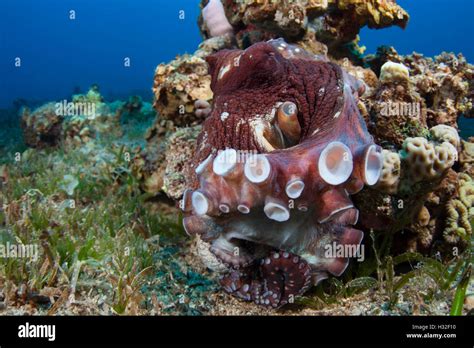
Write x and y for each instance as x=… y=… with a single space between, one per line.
x=273 y=165
x=42 y=127
x=334 y=23
x=178 y=85
x=460 y=213
x=408 y=177
x=413 y=94
x=92 y=96
x=185 y=80
x=181 y=145
x=443 y=83
x=466 y=157
x=306 y=147
x=395 y=109
x=77 y=122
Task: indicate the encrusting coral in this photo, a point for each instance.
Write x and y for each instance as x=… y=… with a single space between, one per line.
x=185 y=80
x=460 y=213
x=390 y=177
x=183 y=142
x=178 y=85
x=395 y=110
x=445 y=83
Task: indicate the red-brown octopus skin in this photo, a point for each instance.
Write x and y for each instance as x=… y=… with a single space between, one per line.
x=281 y=151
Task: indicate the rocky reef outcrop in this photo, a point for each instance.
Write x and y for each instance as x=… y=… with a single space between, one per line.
x=77 y=121
x=335 y=24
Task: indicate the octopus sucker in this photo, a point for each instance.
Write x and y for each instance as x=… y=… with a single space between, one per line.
x=294 y=188
x=203 y=165
x=257 y=169
x=335 y=163
x=276 y=210
x=225 y=162
x=332 y=202
x=200 y=203
x=273 y=177
x=351 y=237
x=243 y=209
x=373 y=163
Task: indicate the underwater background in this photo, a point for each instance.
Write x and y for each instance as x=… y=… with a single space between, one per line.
x=60 y=55
x=113 y=168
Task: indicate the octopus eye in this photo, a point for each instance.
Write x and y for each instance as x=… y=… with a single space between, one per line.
x=287 y=118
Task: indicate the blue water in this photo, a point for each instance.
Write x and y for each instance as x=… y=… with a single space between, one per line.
x=58 y=54
x=434 y=26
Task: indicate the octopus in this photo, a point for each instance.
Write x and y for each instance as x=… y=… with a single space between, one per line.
x=281 y=150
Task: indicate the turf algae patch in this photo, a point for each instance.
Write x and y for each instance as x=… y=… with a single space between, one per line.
x=98 y=240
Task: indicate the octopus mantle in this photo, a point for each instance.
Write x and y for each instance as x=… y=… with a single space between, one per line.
x=281 y=151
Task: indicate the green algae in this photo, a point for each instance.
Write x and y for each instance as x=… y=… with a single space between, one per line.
x=85 y=212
